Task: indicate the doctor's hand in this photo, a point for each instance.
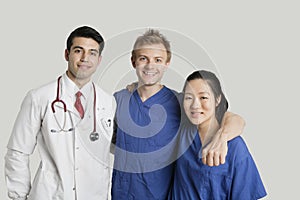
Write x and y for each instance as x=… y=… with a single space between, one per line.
x=215 y=151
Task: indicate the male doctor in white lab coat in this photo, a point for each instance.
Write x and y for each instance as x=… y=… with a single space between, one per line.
x=74 y=149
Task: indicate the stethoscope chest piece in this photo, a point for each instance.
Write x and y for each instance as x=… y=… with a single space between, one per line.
x=94 y=136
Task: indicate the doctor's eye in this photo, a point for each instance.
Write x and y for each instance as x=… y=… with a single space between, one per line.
x=94 y=53
x=77 y=50
x=158 y=60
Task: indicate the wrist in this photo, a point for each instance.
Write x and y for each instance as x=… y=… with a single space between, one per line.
x=225 y=135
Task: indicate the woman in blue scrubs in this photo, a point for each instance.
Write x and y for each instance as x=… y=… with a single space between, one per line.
x=238 y=179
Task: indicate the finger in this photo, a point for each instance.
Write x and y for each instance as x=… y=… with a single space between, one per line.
x=204 y=160
x=204 y=155
x=210 y=159
x=222 y=158
x=216 y=159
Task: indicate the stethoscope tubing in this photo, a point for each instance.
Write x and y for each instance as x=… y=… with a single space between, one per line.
x=57 y=98
x=94 y=135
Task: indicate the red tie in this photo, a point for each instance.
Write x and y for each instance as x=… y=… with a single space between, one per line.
x=78 y=104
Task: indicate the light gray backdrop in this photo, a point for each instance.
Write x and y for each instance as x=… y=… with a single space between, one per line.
x=254 y=46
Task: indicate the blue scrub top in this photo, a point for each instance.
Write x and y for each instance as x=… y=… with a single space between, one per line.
x=145 y=139
x=237 y=179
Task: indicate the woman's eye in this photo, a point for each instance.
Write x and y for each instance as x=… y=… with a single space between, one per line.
x=187 y=98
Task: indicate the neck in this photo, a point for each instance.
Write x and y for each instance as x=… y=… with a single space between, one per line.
x=79 y=82
x=208 y=130
x=146 y=91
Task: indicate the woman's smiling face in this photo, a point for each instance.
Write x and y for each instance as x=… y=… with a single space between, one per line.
x=199 y=102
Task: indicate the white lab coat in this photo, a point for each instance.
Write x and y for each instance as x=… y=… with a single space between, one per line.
x=72 y=166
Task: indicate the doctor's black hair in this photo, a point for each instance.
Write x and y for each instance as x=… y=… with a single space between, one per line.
x=86 y=32
x=215 y=86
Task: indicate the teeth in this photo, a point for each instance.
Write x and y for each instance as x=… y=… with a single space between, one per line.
x=149 y=73
x=197 y=112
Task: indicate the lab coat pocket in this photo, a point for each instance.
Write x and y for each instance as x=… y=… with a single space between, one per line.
x=105 y=122
x=46 y=185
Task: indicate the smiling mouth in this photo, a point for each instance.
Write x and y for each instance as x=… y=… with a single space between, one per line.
x=197 y=113
x=83 y=66
x=149 y=73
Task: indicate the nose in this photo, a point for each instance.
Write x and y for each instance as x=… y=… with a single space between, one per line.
x=150 y=64
x=196 y=104
x=84 y=57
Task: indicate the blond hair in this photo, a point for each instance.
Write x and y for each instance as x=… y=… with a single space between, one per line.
x=150 y=37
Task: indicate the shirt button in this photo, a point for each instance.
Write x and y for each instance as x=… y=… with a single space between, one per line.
x=77 y=148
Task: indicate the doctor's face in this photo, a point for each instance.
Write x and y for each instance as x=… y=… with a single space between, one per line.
x=83 y=59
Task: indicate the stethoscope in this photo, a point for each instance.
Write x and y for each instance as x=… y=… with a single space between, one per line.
x=94 y=135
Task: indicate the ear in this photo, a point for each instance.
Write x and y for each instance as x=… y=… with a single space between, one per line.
x=133 y=61
x=218 y=100
x=99 y=60
x=66 y=54
x=167 y=66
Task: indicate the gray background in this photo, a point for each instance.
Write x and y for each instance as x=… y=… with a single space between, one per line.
x=254 y=46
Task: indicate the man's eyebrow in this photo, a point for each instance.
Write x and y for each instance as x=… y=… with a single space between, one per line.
x=96 y=50
x=79 y=47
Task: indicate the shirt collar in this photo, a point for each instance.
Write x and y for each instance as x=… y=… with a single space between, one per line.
x=87 y=90
x=70 y=86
